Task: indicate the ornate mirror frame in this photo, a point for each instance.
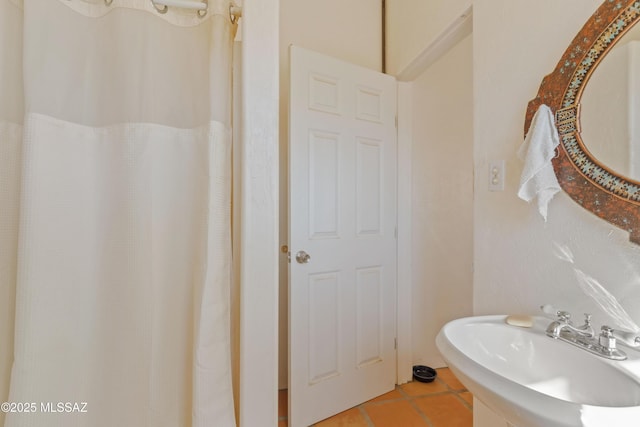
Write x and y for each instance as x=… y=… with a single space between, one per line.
x=602 y=191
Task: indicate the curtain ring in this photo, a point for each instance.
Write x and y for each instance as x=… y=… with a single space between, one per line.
x=203 y=12
x=161 y=10
x=108 y=2
x=233 y=17
x=235 y=12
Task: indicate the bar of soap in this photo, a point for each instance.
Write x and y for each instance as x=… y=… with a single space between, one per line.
x=520 y=320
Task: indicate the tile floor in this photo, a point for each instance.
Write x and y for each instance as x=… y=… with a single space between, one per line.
x=442 y=403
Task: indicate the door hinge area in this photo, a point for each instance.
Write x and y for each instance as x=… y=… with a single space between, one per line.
x=285 y=250
x=395 y=343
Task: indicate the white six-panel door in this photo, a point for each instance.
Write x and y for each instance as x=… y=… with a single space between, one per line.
x=342 y=214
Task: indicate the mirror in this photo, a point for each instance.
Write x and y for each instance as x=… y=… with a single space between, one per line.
x=603 y=189
x=610 y=108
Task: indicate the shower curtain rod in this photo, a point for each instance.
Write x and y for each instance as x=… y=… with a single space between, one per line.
x=235 y=11
x=184 y=4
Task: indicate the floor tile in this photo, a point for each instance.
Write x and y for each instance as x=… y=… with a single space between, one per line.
x=450 y=379
x=445 y=410
x=392 y=395
x=350 y=418
x=283 y=403
x=467 y=397
x=417 y=388
x=395 y=414
x=441 y=403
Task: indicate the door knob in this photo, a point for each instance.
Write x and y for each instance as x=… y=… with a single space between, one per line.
x=302 y=257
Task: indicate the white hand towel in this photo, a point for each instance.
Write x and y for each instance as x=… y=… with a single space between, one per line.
x=538 y=180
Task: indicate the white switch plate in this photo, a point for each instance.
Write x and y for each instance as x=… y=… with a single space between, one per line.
x=496 y=175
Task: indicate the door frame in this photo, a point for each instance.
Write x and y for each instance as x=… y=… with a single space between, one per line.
x=258 y=203
x=404 y=332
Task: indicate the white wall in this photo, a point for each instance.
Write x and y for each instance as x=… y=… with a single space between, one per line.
x=515 y=269
x=442 y=184
x=351 y=31
x=413 y=25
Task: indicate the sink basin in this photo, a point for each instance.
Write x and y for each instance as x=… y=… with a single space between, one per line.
x=532 y=380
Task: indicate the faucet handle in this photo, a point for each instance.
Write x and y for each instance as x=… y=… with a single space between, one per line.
x=631 y=339
x=587 y=318
x=607 y=340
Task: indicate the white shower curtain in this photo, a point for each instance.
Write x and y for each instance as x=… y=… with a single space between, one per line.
x=114 y=214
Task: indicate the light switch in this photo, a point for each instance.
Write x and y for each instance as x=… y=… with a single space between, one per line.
x=496 y=175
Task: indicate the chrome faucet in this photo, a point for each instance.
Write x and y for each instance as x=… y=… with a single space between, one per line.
x=584 y=336
x=564 y=324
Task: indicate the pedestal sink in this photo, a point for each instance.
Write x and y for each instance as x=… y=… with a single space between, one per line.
x=532 y=380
